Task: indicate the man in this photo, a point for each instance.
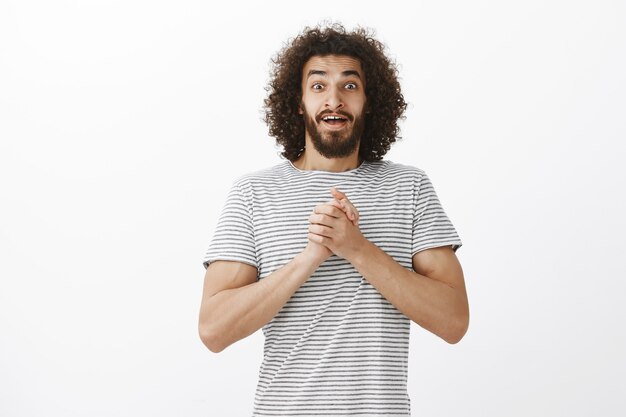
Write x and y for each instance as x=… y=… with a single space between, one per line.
x=333 y=251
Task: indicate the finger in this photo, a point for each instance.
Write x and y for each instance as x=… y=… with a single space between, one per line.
x=322 y=219
x=320 y=230
x=351 y=211
x=317 y=238
x=337 y=194
x=353 y=218
x=330 y=219
x=337 y=204
x=343 y=199
x=328 y=209
x=347 y=207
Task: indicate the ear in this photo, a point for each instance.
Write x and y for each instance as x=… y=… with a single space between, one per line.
x=300 y=106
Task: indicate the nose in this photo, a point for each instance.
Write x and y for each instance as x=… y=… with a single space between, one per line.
x=334 y=99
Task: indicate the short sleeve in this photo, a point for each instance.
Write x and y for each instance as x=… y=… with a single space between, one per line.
x=431 y=226
x=233 y=239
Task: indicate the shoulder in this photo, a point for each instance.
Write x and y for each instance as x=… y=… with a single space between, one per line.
x=390 y=169
x=262 y=176
x=395 y=166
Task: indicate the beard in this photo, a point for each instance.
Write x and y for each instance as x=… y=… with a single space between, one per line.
x=335 y=144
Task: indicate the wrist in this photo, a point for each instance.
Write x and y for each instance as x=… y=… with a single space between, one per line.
x=360 y=251
x=307 y=260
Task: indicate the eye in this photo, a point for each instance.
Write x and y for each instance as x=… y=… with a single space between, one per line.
x=351 y=86
x=317 y=86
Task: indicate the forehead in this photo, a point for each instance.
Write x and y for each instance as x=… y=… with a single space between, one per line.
x=332 y=64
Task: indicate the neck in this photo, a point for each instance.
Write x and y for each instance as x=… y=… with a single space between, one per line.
x=313 y=161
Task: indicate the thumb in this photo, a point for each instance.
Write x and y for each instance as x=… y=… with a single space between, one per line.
x=337 y=194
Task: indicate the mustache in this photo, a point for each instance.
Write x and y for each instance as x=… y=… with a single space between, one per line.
x=348 y=116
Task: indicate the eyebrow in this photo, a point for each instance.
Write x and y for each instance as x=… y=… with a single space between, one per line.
x=344 y=73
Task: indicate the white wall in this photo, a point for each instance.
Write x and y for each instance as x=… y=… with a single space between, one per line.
x=122 y=124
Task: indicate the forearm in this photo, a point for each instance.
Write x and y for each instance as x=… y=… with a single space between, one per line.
x=432 y=304
x=233 y=314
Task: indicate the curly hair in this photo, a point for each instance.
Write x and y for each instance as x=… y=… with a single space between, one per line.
x=382 y=89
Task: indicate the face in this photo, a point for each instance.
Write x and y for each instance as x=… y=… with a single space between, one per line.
x=333 y=102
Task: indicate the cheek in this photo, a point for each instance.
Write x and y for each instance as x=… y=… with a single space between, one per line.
x=358 y=104
x=309 y=103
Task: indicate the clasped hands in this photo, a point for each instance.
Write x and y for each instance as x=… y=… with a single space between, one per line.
x=334 y=226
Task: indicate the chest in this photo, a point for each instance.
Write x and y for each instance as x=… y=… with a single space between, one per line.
x=280 y=218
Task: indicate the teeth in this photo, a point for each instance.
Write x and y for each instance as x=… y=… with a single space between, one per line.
x=333 y=118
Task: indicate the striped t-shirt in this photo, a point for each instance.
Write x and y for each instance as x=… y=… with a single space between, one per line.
x=337 y=347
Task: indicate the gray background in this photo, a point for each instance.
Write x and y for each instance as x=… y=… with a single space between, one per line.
x=123 y=123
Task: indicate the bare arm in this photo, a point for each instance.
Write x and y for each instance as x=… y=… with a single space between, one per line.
x=432 y=295
x=235 y=305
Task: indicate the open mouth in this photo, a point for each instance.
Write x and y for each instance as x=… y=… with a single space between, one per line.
x=334 y=120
